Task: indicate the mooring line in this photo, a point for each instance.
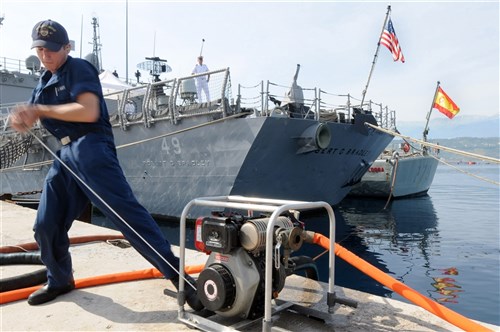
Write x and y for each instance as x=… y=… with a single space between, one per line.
x=466 y=173
x=436 y=146
x=393 y=182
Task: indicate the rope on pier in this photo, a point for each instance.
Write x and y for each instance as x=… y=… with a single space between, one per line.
x=435 y=146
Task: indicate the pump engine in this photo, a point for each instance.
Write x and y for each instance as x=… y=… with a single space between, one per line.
x=232 y=284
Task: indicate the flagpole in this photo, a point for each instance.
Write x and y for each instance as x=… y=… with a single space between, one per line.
x=426 y=129
x=376 y=55
x=126 y=42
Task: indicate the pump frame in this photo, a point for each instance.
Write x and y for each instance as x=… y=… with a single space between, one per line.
x=277 y=207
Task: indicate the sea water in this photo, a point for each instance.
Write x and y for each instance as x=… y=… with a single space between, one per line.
x=444 y=245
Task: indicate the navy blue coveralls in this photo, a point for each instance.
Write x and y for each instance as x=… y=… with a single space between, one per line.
x=91 y=154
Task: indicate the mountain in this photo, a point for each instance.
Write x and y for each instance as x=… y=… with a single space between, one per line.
x=460 y=126
x=484 y=146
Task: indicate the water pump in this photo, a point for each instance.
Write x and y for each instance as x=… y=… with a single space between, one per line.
x=232 y=284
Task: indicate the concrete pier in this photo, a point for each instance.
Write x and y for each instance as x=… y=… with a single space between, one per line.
x=142 y=306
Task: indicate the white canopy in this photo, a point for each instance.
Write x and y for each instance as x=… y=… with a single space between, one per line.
x=110 y=83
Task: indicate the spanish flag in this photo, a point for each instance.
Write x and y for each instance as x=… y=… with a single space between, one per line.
x=445 y=105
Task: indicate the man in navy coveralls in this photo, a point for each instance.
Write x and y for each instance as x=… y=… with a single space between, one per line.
x=69 y=103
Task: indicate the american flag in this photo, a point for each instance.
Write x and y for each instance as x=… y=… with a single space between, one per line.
x=390 y=41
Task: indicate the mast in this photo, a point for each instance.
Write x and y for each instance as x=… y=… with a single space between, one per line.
x=376 y=55
x=81 y=36
x=426 y=128
x=126 y=42
x=96 y=45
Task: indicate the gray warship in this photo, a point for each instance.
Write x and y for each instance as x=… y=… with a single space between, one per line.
x=174 y=148
x=308 y=145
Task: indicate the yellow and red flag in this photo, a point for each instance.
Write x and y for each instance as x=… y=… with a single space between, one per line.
x=445 y=105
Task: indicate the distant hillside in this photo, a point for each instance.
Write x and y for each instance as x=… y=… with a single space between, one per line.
x=484 y=146
x=460 y=126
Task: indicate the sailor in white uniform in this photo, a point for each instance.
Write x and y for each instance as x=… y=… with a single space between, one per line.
x=201 y=81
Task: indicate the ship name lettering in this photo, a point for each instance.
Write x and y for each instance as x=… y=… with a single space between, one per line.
x=195 y=163
x=343 y=151
x=178 y=163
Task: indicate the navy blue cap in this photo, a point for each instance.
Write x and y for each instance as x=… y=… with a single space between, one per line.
x=49 y=34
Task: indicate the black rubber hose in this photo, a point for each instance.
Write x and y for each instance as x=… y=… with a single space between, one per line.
x=307 y=265
x=25 y=280
x=20 y=258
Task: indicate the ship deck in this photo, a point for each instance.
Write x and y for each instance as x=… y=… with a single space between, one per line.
x=142 y=306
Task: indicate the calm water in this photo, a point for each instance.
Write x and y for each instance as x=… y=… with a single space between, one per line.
x=444 y=245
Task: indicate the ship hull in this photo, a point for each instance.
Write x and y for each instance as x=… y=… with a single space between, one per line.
x=251 y=156
x=173 y=149
x=412 y=176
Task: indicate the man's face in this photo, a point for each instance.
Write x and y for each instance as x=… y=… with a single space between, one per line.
x=200 y=60
x=52 y=60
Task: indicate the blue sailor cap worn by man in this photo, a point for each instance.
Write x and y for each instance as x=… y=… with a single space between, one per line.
x=49 y=34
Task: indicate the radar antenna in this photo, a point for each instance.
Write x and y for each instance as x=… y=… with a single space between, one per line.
x=155 y=66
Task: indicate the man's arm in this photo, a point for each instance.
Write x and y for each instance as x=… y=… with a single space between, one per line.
x=85 y=109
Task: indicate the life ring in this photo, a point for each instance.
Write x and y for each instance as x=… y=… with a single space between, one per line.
x=406 y=147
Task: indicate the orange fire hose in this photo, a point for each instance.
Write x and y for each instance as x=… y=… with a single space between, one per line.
x=74 y=240
x=23 y=293
x=319 y=239
x=400 y=288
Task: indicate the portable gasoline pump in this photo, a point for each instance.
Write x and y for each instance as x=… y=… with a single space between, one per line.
x=232 y=283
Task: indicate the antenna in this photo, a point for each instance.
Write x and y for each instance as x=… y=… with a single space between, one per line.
x=126 y=42
x=202 y=42
x=155 y=66
x=154 y=44
x=81 y=35
x=96 y=44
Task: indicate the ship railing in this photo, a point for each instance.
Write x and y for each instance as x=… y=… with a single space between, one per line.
x=335 y=107
x=254 y=102
x=20 y=66
x=186 y=102
x=125 y=106
x=385 y=117
x=5 y=109
x=5 y=128
x=4 y=119
x=170 y=100
x=14 y=145
x=272 y=99
x=303 y=103
x=296 y=102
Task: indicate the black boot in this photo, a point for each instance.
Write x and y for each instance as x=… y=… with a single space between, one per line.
x=191 y=296
x=46 y=293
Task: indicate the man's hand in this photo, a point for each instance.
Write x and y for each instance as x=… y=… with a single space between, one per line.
x=23 y=117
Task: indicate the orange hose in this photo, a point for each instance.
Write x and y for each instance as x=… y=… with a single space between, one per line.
x=365 y=267
x=74 y=240
x=400 y=288
x=23 y=293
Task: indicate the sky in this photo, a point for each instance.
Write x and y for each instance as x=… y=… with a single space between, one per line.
x=456 y=43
